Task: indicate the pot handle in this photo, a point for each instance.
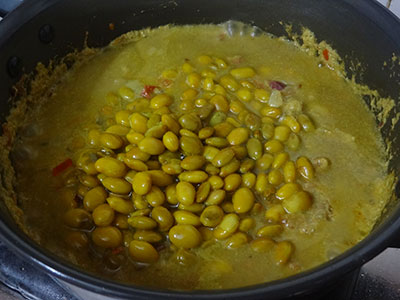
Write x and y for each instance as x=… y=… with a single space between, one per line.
x=7 y=6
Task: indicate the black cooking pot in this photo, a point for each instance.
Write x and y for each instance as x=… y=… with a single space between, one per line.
x=361 y=30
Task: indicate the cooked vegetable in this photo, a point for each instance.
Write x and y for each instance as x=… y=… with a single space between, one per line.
x=62 y=167
x=230 y=143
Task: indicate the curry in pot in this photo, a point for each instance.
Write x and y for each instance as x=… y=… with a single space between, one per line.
x=188 y=158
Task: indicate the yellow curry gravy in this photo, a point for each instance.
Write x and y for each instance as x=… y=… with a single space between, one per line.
x=348 y=196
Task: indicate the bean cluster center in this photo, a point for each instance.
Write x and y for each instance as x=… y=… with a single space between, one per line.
x=181 y=172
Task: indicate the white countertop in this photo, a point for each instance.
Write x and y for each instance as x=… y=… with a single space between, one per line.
x=394 y=6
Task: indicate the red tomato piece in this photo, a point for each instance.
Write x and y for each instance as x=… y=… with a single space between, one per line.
x=325 y=53
x=148 y=90
x=62 y=167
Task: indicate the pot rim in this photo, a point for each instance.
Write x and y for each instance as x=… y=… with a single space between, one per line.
x=301 y=283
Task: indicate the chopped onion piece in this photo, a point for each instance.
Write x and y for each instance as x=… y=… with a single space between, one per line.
x=275 y=100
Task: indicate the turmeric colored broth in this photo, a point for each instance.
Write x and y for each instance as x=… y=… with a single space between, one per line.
x=348 y=196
